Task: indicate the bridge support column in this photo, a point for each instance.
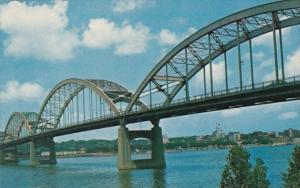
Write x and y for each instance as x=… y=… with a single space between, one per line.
x=33 y=158
x=124 y=153
x=158 y=153
x=1 y=157
x=9 y=155
x=47 y=143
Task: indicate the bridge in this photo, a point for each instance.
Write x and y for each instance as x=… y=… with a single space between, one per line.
x=76 y=105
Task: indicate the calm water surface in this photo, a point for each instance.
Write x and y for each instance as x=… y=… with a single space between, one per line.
x=184 y=169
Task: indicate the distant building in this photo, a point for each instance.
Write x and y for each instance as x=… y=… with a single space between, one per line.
x=61 y=153
x=165 y=139
x=296 y=140
x=218 y=133
x=199 y=138
x=83 y=150
x=234 y=136
x=47 y=153
x=274 y=134
x=290 y=133
x=281 y=139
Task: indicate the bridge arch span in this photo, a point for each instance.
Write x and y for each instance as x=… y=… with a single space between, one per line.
x=196 y=52
x=100 y=95
x=18 y=123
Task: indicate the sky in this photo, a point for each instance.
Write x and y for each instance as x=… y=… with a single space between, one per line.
x=45 y=42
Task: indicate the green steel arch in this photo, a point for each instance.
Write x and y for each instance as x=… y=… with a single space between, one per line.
x=198 y=50
x=65 y=91
x=16 y=122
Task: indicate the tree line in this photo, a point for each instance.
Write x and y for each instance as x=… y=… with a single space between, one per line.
x=239 y=174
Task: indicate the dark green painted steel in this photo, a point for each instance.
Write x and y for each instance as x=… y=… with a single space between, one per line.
x=239 y=55
x=226 y=73
x=251 y=63
x=266 y=9
x=274 y=26
x=281 y=54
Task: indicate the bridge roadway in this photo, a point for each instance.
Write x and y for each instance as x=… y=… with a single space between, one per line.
x=264 y=93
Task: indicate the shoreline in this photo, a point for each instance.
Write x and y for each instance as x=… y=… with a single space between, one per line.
x=101 y=154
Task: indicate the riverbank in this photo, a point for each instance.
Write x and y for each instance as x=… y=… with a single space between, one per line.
x=102 y=154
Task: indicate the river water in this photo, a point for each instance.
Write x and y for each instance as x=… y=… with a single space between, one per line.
x=184 y=169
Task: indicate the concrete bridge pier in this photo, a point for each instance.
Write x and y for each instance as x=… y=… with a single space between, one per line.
x=9 y=155
x=158 y=152
x=1 y=157
x=124 y=153
x=46 y=143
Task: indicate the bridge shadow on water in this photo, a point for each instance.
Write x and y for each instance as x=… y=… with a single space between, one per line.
x=156 y=178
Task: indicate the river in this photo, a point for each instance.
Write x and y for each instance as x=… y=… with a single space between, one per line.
x=184 y=169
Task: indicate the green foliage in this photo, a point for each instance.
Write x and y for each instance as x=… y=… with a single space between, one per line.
x=292 y=177
x=237 y=168
x=187 y=142
x=238 y=173
x=91 y=146
x=140 y=144
x=257 y=137
x=258 y=176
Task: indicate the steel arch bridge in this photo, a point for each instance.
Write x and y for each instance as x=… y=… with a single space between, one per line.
x=76 y=105
x=75 y=100
x=19 y=125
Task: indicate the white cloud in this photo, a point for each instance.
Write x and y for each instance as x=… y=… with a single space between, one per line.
x=259 y=56
x=39 y=31
x=267 y=39
x=126 y=39
x=275 y=107
x=23 y=92
x=218 y=71
x=167 y=37
x=266 y=109
x=265 y=63
x=292 y=66
x=128 y=5
x=288 y=115
x=293 y=63
x=231 y=112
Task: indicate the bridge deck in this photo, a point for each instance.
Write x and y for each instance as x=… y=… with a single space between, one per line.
x=264 y=93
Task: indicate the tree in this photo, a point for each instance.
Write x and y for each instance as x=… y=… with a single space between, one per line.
x=257 y=177
x=237 y=168
x=292 y=177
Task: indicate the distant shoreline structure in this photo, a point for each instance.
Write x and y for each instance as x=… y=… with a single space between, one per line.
x=102 y=154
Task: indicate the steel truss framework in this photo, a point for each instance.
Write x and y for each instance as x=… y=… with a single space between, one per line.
x=76 y=102
x=70 y=102
x=20 y=124
x=197 y=52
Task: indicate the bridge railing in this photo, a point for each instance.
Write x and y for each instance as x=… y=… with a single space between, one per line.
x=235 y=90
x=226 y=92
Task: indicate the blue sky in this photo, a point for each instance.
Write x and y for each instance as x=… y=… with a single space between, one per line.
x=44 y=42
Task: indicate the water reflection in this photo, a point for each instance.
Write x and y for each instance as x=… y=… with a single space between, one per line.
x=133 y=178
x=125 y=179
x=159 y=178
